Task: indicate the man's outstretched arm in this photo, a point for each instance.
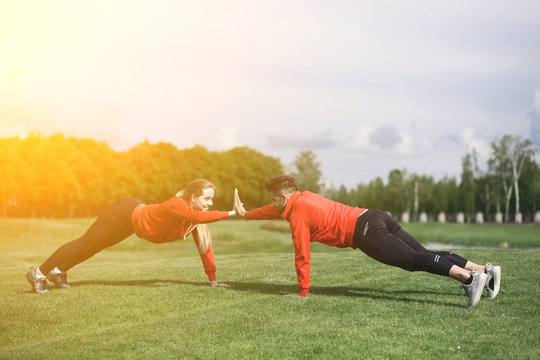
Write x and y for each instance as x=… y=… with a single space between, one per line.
x=268 y=212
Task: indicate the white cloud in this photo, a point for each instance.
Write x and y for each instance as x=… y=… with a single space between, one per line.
x=362 y=135
x=226 y=138
x=406 y=146
x=471 y=142
x=388 y=141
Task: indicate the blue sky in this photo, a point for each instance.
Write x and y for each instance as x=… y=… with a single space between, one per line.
x=369 y=86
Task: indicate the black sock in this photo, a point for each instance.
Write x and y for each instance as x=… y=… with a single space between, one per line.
x=469 y=281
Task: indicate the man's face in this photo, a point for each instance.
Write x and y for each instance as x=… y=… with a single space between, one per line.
x=204 y=201
x=279 y=201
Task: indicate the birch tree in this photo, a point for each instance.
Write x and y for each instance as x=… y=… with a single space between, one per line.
x=520 y=152
x=509 y=155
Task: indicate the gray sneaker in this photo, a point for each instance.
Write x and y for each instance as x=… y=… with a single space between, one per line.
x=59 y=279
x=474 y=290
x=493 y=282
x=39 y=284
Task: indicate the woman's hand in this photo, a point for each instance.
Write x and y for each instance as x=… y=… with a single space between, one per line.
x=214 y=283
x=238 y=205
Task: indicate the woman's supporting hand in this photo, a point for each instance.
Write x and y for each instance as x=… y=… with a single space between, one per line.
x=214 y=283
x=238 y=205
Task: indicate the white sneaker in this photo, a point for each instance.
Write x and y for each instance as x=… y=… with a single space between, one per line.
x=493 y=282
x=39 y=283
x=474 y=290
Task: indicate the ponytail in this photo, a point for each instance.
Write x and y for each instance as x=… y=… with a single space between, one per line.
x=205 y=240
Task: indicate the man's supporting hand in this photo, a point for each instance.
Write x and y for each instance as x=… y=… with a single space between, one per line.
x=214 y=283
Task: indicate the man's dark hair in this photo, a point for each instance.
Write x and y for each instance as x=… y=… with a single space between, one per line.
x=281 y=183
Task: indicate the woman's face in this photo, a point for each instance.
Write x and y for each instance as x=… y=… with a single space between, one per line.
x=204 y=201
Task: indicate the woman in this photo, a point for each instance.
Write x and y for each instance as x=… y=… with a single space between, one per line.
x=186 y=213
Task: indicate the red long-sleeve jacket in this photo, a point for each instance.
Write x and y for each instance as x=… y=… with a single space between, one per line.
x=311 y=218
x=173 y=220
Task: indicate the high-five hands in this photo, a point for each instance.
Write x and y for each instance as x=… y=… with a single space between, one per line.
x=238 y=205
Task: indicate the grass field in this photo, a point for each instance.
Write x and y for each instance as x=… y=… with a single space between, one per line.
x=139 y=300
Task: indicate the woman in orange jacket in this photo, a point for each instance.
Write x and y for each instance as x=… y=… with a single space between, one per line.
x=186 y=213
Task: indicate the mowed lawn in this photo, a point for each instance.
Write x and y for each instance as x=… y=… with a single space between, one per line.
x=139 y=300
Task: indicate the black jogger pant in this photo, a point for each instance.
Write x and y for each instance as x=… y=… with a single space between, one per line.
x=379 y=236
x=112 y=226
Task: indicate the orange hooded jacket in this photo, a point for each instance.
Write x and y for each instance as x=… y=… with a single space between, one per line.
x=312 y=217
x=173 y=220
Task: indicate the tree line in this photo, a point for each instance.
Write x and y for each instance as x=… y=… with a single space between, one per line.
x=510 y=186
x=60 y=176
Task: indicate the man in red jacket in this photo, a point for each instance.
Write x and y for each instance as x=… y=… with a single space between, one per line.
x=312 y=218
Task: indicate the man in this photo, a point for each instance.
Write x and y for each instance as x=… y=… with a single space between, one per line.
x=312 y=217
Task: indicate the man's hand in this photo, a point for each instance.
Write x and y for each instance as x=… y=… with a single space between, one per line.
x=293 y=295
x=214 y=283
x=238 y=205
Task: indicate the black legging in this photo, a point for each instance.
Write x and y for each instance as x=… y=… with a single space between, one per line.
x=379 y=236
x=112 y=226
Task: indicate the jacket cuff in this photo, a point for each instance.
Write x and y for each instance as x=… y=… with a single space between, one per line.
x=211 y=276
x=303 y=292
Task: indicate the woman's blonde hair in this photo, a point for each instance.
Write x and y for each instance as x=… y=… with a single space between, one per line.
x=196 y=188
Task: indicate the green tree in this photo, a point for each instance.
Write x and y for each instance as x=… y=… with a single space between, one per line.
x=10 y=160
x=426 y=195
x=529 y=186
x=375 y=195
x=247 y=169
x=396 y=190
x=486 y=193
x=307 y=171
x=467 y=187
x=509 y=155
x=440 y=196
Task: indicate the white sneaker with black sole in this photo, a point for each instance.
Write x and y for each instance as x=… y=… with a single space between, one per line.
x=475 y=288
x=493 y=282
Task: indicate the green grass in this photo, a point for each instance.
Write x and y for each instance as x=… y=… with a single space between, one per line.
x=139 y=300
x=487 y=235
x=515 y=236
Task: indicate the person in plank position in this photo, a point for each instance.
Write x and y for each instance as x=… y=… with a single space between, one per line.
x=312 y=218
x=184 y=214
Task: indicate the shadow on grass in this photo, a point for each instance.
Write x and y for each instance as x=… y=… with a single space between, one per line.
x=369 y=293
x=407 y=296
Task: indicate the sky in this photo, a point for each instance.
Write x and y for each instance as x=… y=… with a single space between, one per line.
x=368 y=86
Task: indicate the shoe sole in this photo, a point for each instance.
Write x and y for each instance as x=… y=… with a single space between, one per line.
x=61 y=285
x=496 y=282
x=478 y=295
